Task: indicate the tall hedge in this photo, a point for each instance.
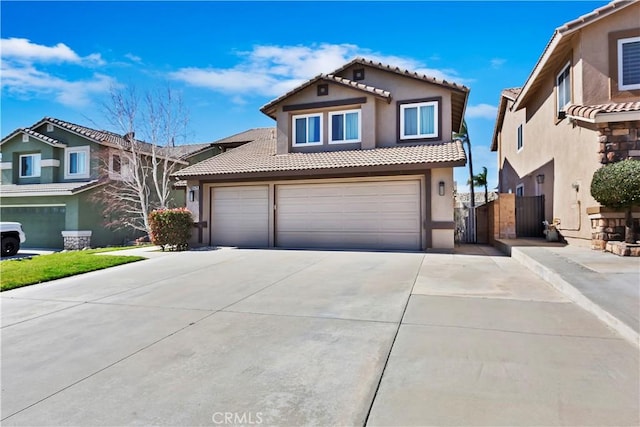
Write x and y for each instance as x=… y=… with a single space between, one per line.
x=171 y=228
x=617 y=185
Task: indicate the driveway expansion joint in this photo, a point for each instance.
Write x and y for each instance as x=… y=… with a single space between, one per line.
x=510 y=331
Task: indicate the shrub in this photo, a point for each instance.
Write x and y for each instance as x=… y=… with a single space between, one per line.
x=617 y=185
x=171 y=228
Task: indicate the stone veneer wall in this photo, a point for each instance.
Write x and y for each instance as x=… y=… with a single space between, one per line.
x=608 y=225
x=74 y=240
x=619 y=141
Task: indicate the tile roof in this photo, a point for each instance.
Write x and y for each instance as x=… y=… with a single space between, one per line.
x=100 y=136
x=593 y=15
x=334 y=77
x=248 y=136
x=38 y=135
x=186 y=150
x=372 y=90
x=266 y=109
x=400 y=71
x=59 y=188
x=511 y=93
x=558 y=45
x=260 y=156
x=591 y=111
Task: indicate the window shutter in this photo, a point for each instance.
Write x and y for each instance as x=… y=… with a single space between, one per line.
x=631 y=63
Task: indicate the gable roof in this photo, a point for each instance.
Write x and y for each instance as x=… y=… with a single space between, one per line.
x=44 y=138
x=187 y=150
x=259 y=156
x=458 y=98
x=269 y=108
x=559 y=41
x=103 y=137
x=507 y=95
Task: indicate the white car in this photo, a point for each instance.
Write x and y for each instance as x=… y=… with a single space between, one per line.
x=12 y=237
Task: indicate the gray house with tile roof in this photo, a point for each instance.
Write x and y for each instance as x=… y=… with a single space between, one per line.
x=51 y=172
x=361 y=158
x=579 y=109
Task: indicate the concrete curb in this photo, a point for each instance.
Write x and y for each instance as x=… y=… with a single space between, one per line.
x=574 y=294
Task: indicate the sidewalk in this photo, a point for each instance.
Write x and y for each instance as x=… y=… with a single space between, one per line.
x=602 y=283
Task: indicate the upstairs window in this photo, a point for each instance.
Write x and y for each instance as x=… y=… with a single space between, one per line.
x=419 y=120
x=520 y=140
x=76 y=162
x=520 y=190
x=345 y=126
x=307 y=129
x=563 y=87
x=629 y=63
x=30 y=165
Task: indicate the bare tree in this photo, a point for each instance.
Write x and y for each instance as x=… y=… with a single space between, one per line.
x=138 y=166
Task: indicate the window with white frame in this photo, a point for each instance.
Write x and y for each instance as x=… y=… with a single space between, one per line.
x=30 y=165
x=629 y=63
x=76 y=162
x=307 y=129
x=419 y=120
x=520 y=190
x=345 y=126
x=563 y=87
x=520 y=140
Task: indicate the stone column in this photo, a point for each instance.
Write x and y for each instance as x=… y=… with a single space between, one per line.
x=79 y=239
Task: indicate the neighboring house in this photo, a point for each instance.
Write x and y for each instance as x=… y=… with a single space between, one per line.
x=579 y=109
x=50 y=173
x=360 y=158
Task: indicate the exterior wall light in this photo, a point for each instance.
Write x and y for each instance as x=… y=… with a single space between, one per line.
x=441 y=188
x=540 y=179
x=192 y=193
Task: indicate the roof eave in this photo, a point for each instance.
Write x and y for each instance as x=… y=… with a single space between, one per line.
x=562 y=32
x=317 y=172
x=621 y=116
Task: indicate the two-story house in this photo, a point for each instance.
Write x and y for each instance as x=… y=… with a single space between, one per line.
x=578 y=109
x=360 y=158
x=51 y=173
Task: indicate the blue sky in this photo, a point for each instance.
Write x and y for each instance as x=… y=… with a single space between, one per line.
x=228 y=59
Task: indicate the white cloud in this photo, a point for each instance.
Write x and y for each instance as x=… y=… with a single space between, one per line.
x=23 y=50
x=25 y=72
x=483 y=111
x=133 y=58
x=497 y=63
x=273 y=70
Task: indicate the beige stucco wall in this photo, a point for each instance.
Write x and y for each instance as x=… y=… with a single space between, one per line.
x=592 y=48
x=379 y=117
x=442 y=206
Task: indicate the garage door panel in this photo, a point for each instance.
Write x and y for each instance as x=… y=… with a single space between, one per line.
x=240 y=216
x=349 y=215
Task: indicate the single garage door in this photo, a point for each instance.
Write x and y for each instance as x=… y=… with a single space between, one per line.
x=42 y=225
x=358 y=215
x=240 y=216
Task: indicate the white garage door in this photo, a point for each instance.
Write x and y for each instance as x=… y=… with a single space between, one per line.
x=240 y=216
x=359 y=215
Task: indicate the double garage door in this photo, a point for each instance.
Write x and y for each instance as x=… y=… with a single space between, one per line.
x=340 y=215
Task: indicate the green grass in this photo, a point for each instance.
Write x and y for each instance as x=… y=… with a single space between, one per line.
x=15 y=273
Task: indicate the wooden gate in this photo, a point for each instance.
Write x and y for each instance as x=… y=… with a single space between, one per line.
x=530 y=216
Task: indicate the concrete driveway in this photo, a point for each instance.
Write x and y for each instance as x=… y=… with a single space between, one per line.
x=309 y=337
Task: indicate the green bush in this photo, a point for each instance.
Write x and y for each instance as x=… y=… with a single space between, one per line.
x=171 y=228
x=617 y=185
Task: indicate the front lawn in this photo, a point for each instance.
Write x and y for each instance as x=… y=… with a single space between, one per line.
x=15 y=273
